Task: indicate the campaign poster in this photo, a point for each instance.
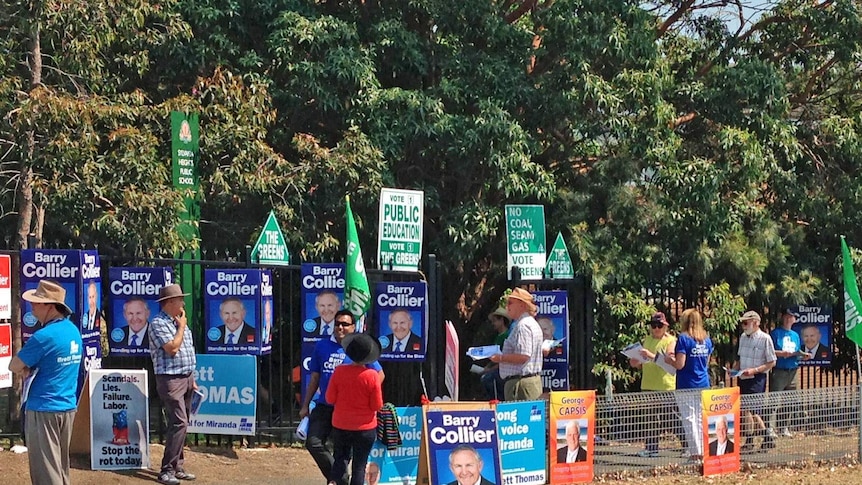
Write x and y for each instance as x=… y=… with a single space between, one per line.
x=521 y=429
x=228 y=395
x=321 y=295
x=233 y=300
x=401 y=465
x=553 y=318
x=119 y=420
x=5 y=287
x=814 y=326
x=720 y=417
x=572 y=431
x=400 y=311
x=5 y=355
x=463 y=447
x=133 y=294
x=91 y=296
x=266 y=317
x=60 y=265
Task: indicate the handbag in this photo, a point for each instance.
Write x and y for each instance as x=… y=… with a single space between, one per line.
x=387 y=427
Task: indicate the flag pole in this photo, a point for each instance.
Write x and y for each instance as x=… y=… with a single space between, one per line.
x=853 y=325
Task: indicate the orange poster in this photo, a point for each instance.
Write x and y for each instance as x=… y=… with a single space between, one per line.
x=570 y=440
x=720 y=423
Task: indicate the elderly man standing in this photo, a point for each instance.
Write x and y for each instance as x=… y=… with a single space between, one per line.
x=52 y=356
x=173 y=354
x=521 y=359
x=756 y=358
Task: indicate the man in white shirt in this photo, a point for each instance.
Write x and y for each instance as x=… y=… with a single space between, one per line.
x=326 y=303
x=720 y=445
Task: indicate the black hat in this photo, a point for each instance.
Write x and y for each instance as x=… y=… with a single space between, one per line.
x=361 y=348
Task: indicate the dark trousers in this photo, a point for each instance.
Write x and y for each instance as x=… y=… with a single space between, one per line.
x=355 y=444
x=319 y=429
x=176 y=392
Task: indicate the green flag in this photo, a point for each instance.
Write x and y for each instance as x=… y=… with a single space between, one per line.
x=852 y=303
x=357 y=296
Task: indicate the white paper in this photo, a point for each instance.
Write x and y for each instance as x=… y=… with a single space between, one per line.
x=733 y=372
x=484 y=352
x=633 y=351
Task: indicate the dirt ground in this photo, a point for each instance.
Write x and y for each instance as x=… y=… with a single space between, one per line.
x=294 y=466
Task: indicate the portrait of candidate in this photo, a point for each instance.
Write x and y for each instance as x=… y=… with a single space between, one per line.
x=402 y=339
x=721 y=445
x=811 y=339
x=548 y=328
x=326 y=303
x=266 y=331
x=572 y=452
x=235 y=330
x=372 y=473
x=137 y=315
x=466 y=465
x=90 y=318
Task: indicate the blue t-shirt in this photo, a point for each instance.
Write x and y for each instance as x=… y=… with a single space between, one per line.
x=695 y=372
x=329 y=354
x=54 y=353
x=786 y=341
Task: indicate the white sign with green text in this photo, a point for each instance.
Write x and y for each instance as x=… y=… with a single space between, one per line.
x=399 y=238
x=525 y=237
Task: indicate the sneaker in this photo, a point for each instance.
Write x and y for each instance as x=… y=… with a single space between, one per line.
x=168 y=478
x=648 y=453
x=786 y=433
x=770 y=433
x=182 y=475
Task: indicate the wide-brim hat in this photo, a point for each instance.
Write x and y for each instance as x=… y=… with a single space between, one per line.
x=502 y=313
x=524 y=296
x=48 y=292
x=171 y=291
x=750 y=315
x=361 y=347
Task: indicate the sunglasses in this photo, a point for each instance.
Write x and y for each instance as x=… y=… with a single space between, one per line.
x=342 y=324
x=656 y=324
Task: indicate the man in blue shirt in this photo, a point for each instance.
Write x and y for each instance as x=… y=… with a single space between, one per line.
x=50 y=362
x=328 y=354
x=788 y=349
x=173 y=354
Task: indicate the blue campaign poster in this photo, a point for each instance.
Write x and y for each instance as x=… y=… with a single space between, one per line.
x=321 y=295
x=463 y=447
x=133 y=293
x=228 y=386
x=553 y=318
x=401 y=465
x=400 y=310
x=523 y=442
x=60 y=265
x=233 y=300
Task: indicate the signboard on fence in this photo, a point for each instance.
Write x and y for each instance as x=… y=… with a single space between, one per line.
x=571 y=440
x=228 y=384
x=271 y=247
x=525 y=240
x=400 y=309
x=399 y=237
x=5 y=287
x=814 y=326
x=233 y=304
x=720 y=423
x=134 y=292
x=119 y=420
x=398 y=466
x=5 y=355
x=523 y=443
x=461 y=439
x=321 y=294
x=553 y=319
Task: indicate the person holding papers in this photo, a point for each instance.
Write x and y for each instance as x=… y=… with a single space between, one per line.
x=690 y=357
x=655 y=378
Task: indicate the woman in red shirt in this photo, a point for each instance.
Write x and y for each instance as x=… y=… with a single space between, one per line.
x=354 y=391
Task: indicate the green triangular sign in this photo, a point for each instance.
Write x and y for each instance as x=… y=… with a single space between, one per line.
x=270 y=247
x=559 y=263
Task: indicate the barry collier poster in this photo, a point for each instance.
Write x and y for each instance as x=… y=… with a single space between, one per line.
x=321 y=294
x=553 y=318
x=133 y=303
x=401 y=465
x=571 y=436
x=119 y=420
x=228 y=389
x=720 y=423
x=814 y=326
x=91 y=289
x=400 y=310
x=233 y=299
x=523 y=444
x=62 y=266
x=463 y=448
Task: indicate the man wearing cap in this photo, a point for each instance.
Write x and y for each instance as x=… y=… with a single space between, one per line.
x=327 y=356
x=521 y=359
x=783 y=377
x=491 y=380
x=173 y=354
x=655 y=378
x=756 y=358
x=51 y=359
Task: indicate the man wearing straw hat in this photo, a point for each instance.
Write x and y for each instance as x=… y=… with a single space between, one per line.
x=521 y=359
x=51 y=359
x=173 y=354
